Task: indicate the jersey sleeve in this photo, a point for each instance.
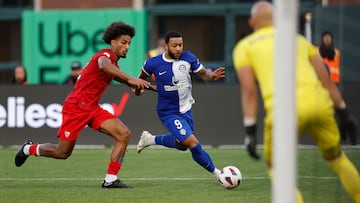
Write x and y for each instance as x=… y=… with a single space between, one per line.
x=240 y=56
x=107 y=54
x=146 y=67
x=195 y=64
x=312 y=50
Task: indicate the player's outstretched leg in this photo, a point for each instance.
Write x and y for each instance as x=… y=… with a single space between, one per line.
x=203 y=159
x=146 y=139
x=348 y=174
x=21 y=157
x=166 y=140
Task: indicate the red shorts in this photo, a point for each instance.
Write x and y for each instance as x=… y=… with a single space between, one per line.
x=75 y=119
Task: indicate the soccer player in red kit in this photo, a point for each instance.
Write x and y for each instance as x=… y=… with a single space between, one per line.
x=81 y=107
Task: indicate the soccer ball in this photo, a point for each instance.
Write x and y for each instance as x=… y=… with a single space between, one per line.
x=230 y=177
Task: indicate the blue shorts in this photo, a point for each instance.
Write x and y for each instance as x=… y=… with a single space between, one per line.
x=181 y=126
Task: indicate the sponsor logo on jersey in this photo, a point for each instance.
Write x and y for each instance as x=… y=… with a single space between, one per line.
x=162 y=73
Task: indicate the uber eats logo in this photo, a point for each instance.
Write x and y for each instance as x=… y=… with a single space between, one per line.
x=68 y=40
x=52 y=40
x=64 y=41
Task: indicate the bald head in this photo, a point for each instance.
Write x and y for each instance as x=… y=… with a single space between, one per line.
x=261 y=15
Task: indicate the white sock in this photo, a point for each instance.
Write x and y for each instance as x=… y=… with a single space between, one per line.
x=38 y=150
x=26 y=149
x=110 y=178
x=152 y=140
x=216 y=172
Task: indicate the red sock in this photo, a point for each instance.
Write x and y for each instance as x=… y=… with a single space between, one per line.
x=114 y=167
x=33 y=150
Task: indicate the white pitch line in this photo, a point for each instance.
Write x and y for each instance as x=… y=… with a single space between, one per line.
x=150 y=179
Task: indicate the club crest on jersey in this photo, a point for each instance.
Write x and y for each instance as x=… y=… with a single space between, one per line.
x=183 y=132
x=67 y=133
x=182 y=68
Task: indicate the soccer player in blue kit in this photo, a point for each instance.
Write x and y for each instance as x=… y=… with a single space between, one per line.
x=173 y=82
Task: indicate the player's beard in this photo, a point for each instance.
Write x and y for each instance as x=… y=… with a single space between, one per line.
x=122 y=55
x=172 y=55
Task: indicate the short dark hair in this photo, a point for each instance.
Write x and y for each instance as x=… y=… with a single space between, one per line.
x=172 y=34
x=116 y=29
x=76 y=65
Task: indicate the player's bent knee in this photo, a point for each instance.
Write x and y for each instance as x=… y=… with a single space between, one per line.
x=126 y=135
x=122 y=135
x=331 y=153
x=180 y=146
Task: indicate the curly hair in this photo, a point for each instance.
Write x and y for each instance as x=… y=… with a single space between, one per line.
x=116 y=29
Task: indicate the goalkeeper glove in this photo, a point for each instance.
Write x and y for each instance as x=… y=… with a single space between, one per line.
x=348 y=125
x=250 y=141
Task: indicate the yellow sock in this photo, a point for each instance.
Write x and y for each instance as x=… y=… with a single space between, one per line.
x=299 y=198
x=348 y=175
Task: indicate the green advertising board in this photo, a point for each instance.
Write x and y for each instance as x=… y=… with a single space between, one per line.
x=52 y=40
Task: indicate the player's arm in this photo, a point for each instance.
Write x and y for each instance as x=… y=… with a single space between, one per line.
x=249 y=101
x=144 y=76
x=208 y=74
x=348 y=123
x=320 y=69
x=109 y=68
x=247 y=81
x=248 y=92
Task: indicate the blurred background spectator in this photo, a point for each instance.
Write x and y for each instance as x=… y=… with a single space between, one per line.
x=330 y=55
x=75 y=72
x=158 y=50
x=19 y=77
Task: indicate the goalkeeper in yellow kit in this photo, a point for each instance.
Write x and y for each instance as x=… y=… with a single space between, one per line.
x=316 y=97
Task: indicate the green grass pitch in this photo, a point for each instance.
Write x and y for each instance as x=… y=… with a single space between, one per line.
x=159 y=175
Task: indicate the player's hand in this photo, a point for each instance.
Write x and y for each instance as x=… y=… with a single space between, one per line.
x=138 y=91
x=251 y=141
x=348 y=125
x=138 y=83
x=217 y=74
x=152 y=88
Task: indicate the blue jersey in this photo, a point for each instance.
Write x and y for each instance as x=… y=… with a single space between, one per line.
x=173 y=81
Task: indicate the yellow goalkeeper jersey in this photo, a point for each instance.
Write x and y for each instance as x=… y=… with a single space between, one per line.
x=256 y=51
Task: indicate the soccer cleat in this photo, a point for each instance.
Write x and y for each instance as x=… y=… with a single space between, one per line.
x=115 y=184
x=21 y=157
x=144 y=141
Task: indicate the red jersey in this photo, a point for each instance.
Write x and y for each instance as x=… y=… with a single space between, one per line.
x=92 y=82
